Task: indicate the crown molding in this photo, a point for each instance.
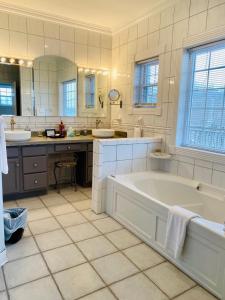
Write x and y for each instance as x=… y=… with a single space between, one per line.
x=156 y=8
x=27 y=12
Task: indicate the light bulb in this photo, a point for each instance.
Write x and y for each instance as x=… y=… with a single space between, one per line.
x=21 y=62
x=3 y=59
x=12 y=60
x=30 y=63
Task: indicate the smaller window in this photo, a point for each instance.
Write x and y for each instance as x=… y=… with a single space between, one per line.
x=90 y=91
x=146 y=83
x=69 y=98
x=7 y=99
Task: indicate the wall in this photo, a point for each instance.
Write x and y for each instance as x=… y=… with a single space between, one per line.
x=28 y=38
x=165 y=34
x=119 y=156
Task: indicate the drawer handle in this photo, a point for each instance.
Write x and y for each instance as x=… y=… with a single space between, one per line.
x=17 y=165
x=35 y=165
x=35 y=181
x=69 y=148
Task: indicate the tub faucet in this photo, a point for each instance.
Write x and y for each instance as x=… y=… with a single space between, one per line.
x=12 y=123
x=98 y=122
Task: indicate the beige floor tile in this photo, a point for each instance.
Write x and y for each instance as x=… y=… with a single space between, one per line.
x=25 y=270
x=44 y=289
x=107 y=225
x=75 y=196
x=78 y=281
x=53 y=239
x=9 y=204
x=88 y=193
x=25 y=247
x=64 y=257
x=137 y=287
x=82 y=232
x=38 y=214
x=144 y=256
x=71 y=219
x=67 y=190
x=30 y=203
x=197 y=293
x=92 y=216
x=44 y=225
x=62 y=209
x=103 y=294
x=123 y=238
x=2 y=283
x=82 y=205
x=53 y=199
x=3 y=296
x=114 y=267
x=170 y=280
x=27 y=232
x=96 y=247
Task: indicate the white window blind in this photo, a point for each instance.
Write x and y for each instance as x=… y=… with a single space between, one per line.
x=204 y=118
x=90 y=90
x=146 y=83
x=70 y=98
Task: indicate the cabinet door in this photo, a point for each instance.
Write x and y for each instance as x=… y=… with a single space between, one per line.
x=11 y=181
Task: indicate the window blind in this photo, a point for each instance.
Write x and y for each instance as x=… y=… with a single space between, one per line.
x=69 y=98
x=90 y=91
x=204 y=120
x=146 y=83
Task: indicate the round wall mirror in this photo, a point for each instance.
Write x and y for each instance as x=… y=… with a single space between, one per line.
x=114 y=95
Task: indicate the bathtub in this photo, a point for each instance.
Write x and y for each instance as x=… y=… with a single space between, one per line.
x=140 y=201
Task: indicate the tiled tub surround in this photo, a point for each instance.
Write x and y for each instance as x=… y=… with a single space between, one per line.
x=70 y=253
x=28 y=38
x=119 y=156
x=186 y=23
x=140 y=201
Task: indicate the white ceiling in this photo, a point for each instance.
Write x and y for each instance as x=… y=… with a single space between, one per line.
x=109 y=14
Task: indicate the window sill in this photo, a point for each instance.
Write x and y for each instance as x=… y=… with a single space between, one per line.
x=145 y=110
x=198 y=154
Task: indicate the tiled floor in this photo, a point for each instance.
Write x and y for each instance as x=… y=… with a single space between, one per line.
x=68 y=252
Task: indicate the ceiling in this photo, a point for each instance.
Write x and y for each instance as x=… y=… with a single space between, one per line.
x=109 y=15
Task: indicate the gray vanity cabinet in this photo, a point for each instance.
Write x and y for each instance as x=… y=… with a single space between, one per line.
x=11 y=181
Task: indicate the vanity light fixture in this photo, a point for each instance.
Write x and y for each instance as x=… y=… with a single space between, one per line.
x=21 y=62
x=3 y=60
x=12 y=60
x=29 y=63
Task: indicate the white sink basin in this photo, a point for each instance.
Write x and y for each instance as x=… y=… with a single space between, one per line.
x=17 y=135
x=103 y=133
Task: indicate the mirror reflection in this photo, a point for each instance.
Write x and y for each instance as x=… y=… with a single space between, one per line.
x=55 y=86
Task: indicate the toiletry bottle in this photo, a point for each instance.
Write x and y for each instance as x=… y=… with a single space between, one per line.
x=62 y=130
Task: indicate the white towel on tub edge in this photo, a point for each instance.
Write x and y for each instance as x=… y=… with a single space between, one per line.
x=177 y=223
x=3 y=154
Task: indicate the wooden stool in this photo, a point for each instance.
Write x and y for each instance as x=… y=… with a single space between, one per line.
x=66 y=164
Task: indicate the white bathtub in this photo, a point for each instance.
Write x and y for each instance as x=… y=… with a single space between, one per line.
x=141 y=201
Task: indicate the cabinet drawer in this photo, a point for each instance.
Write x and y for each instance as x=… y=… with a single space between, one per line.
x=34 y=150
x=70 y=147
x=90 y=147
x=12 y=152
x=34 y=164
x=35 y=181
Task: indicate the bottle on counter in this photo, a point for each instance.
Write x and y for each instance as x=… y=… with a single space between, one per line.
x=62 y=130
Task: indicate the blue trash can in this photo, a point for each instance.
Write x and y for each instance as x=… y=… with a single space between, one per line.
x=15 y=221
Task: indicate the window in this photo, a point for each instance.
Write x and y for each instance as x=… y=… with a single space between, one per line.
x=7 y=99
x=204 y=117
x=146 y=83
x=69 y=98
x=90 y=91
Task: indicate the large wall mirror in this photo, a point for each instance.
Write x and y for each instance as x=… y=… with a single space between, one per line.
x=52 y=86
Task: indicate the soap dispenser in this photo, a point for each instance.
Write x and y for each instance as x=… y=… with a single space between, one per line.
x=62 y=130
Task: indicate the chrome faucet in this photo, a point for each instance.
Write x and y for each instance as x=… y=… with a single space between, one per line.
x=12 y=123
x=98 y=122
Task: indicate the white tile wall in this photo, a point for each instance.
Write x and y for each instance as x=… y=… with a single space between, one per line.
x=165 y=32
x=119 y=156
x=29 y=38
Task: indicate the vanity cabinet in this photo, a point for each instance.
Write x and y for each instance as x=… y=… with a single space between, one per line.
x=29 y=168
x=11 y=181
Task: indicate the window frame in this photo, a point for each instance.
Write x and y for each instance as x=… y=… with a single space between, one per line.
x=138 y=103
x=89 y=93
x=187 y=107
